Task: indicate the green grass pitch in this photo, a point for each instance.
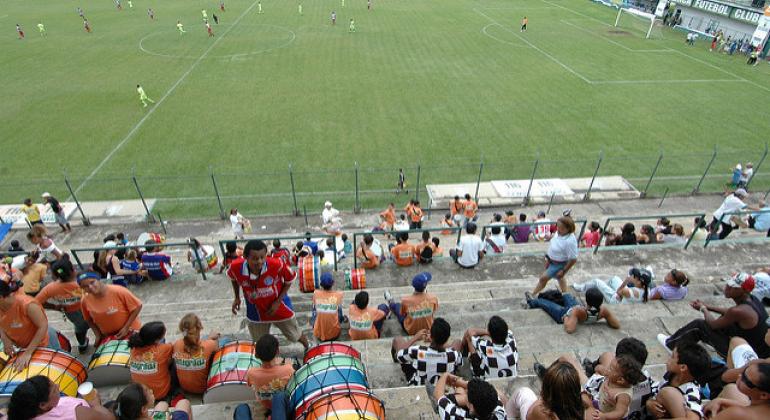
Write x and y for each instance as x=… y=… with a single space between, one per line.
x=445 y=84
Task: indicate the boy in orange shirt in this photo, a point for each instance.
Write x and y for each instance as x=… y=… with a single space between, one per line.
x=416 y=311
x=368 y=259
x=327 y=310
x=402 y=253
x=365 y=322
x=456 y=209
x=270 y=378
x=470 y=209
x=415 y=216
x=425 y=250
x=388 y=217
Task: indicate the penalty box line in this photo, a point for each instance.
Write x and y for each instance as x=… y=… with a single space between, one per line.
x=168 y=93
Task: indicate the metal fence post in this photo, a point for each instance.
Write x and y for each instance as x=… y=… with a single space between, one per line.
x=708 y=167
x=478 y=182
x=86 y=222
x=652 y=175
x=162 y=224
x=304 y=207
x=293 y=190
x=756 y=168
x=665 y=193
x=357 y=204
x=150 y=217
x=531 y=181
x=550 y=203
x=587 y=196
x=201 y=265
x=417 y=187
x=216 y=191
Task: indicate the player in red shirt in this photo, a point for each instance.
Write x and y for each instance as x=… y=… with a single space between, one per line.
x=19 y=31
x=265 y=282
x=280 y=252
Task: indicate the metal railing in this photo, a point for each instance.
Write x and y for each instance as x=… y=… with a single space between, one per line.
x=189 y=245
x=733 y=213
x=648 y=217
x=357 y=235
x=583 y=223
x=269 y=239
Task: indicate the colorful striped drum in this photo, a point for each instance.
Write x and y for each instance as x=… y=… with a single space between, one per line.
x=211 y=256
x=227 y=377
x=323 y=375
x=345 y=405
x=61 y=368
x=355 y=278
x=331 y=348
x=308 y=273
x=109 y=364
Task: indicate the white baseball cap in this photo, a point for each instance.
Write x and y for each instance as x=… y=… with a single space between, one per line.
x=46 y=195
x=328 y=204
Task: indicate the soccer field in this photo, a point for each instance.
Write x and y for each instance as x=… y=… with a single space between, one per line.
x=443 y=84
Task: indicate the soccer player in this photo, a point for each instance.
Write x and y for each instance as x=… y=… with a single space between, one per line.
x=259 y=7
x=143 y=96
x=299 y=8
x=151 y=13
x=369 y=4
x=216 y=18
x=352 y=27
x=205 y=15
x=334 y=18
x=80 y=12
x=343 y=3
x=130 y=4
x=524 y=24
x=221 y=5
x=180 y=27
x=401 y=182
x=86 y=25
x=19 y=31
x=208 y=29
x=119 y=6
x=41 y=28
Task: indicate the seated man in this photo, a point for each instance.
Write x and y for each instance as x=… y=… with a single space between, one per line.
x=679 y=395
x=310 y=243
x=747 y=319
x=424 y=364
x=366 y=322
x=739 y=356
x=474 y=399
x=495 y=242
x=495 y=358
x=420 y=253
x=401 y=224
x=403 y=252
x=415 y=312
x=571 y=313
x=366 y=256
x=388 y=218
x=157 y=264
x=272 y=375
x=748 y=399
x=470 y=250
x=760 y=221
x=327 y=310
x=543 y=230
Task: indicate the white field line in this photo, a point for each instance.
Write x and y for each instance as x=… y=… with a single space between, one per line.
x=651 y=82
x=161 y=100
x=576 y=12
x=714 y=66
x=533 y=46
x=484 y=31
x=613 y=42
x=518 y=8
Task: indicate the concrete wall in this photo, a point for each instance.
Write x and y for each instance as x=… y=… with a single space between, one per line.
x=700 y=20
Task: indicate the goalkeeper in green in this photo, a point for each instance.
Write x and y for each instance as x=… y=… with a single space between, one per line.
x=143 y=96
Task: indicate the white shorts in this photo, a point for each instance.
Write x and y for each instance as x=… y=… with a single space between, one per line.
x=742 y=355
x=520 y=402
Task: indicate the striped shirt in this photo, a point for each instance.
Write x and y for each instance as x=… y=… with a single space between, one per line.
x=497 y=360
x=449 y=410
x=428 y=363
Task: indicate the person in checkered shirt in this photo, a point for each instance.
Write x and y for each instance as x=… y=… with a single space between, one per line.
x=495 y=358
x=679 y=395
x=474 y=399
x=423 y=364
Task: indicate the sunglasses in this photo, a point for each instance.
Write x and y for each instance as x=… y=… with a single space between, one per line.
x=751 y=385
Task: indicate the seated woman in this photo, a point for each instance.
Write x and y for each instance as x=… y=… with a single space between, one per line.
x=23 y=325
x=111 y=311
x=676 y=236
x=559 y=399
x=674 y=286
x=112 y=265
x=150 y=359
x=647 y=235
x=39 y=398
x=137 y=402
x=196 y=254
x=192 y=355
x=618 y=291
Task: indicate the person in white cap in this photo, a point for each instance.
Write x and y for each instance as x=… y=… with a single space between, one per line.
x=328 y=215
x=57 y=210
x=722 y=217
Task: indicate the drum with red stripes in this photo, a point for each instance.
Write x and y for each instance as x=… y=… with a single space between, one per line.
x=308 y=273
x=355 y=278
x=331 y=348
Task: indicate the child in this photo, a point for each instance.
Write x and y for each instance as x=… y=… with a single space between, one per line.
x=347 y=246
x=674 y=286
x=327 y=310
x=272 y=375
x=438 y=251
x=232 y=253
x=679 y=395
x=613 y=392
x=591 y=238
x=130 y=263
x=447 y=222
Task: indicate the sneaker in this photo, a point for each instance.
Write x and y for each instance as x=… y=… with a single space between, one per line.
x=84 y=348
x=662 y=340
x=539 y=370
x=388 y=297
x=588 y=366
x=579 y=287
x=527 y=299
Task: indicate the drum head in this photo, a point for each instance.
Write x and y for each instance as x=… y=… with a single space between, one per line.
x=345 y=405
x=109 y=364
x=326 y=349
x=227 y=393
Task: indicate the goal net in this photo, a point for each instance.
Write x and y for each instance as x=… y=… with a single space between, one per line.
x=638 y=21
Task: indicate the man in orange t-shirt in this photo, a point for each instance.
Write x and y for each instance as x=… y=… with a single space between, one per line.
x=388 y=217
x=327 y=310
x=403 y=253
x=366 y=257
x=470 y=209
x=273 y=375
x=415 y=216
x=108 y=309
x=366 y=322
x=416 y=311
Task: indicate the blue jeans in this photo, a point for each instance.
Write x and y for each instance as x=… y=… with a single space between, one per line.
x=378 y=324
x=553 y=268
x=554 y=310
x=396 y=308
x=281 y=410
x=81 y=326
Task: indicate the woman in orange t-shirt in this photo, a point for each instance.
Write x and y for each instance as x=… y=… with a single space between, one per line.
x=64 y=295
x=150 y=359
x=109 y=310
x=192 y=355
x=23 y=324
